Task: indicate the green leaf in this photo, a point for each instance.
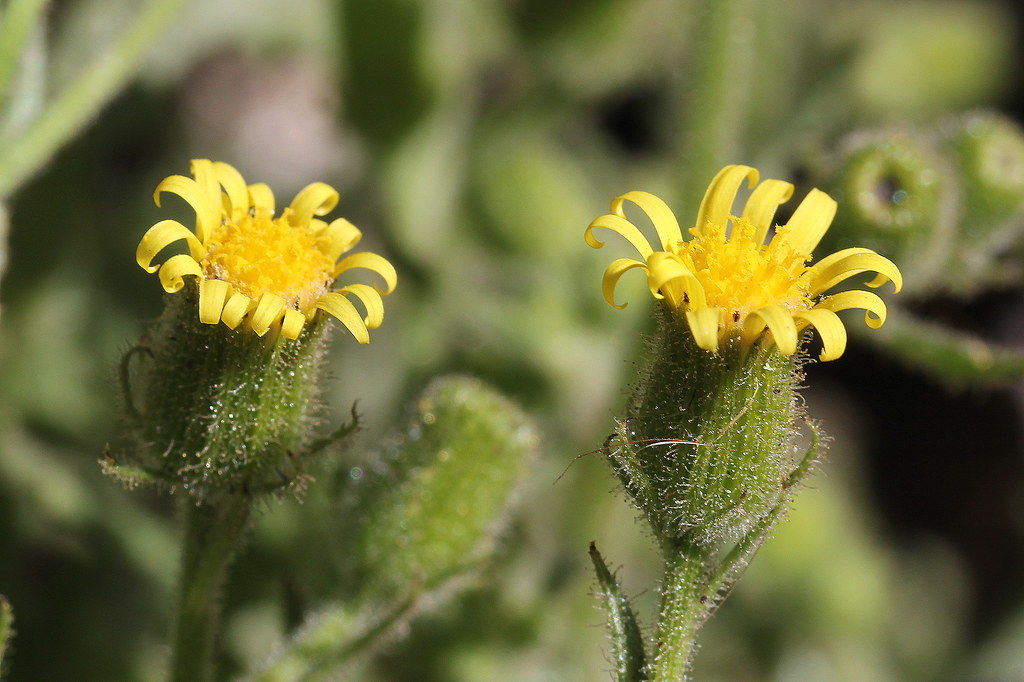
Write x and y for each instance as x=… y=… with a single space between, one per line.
x=627 y=642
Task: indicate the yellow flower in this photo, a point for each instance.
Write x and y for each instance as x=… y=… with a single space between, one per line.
x=728 y=281
x=266 y=271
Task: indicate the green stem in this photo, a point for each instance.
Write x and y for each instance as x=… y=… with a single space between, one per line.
x=332 y=638
x=717 y=90
x=682 y=612
x=16 y=23
x=83 y=98
x=740 y=555
x=213 y=532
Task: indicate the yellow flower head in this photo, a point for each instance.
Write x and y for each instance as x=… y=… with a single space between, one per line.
x=265 y=271
x=728 y=281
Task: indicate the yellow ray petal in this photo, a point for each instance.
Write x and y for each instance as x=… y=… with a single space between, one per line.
x=857 y=298
x=830 y=328
x=762 y=204
x=779 y=322
x=236 y=308
x=173 y=272
x=292 y=324
x=668 y=277
x=234 y=185
x=810 y=221
x=213 y=294
x=261 y=197
x=704 y=325
x=340 y=307
x=617 y=269
x=161 y=235
x=716 y=207
x=371 y=301
x=317 y=198
x=268 y=311
x=343 y=235
x=370 y=261
x=205 y=204
x=625 y=228
x=840 y=265
x=661 y=215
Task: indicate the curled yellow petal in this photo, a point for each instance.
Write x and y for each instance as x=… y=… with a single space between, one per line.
x=174 y=271
x=762 y=204
x=340 y=307
x=668 y=277
x=205 y=204
x=704 y=324
x=370 y=261
x=213 y=294
x=268 y=311
x=234 y=186
x=779 y=321
x=343 y=235
x=661 y=215
x=874 y=306
x=317 y=198
x=840 y=265
x=292 y=324
x=261 y=197
x=161 y=235
x=236 y=308
x=716 y=207
x=625 y=228
x=830 y=328
x=371 y=301
x=810 y=221
x=617 y=269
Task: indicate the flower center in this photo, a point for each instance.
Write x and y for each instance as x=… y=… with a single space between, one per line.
x=261 y=255
x=741 y=275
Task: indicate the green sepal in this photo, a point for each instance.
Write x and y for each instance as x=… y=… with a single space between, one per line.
x=431 y=508
x=211 y=409
x=628 y=655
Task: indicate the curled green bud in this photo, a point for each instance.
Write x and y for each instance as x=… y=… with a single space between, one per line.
x=987 y=151
x=897 y=197
x=432 y=508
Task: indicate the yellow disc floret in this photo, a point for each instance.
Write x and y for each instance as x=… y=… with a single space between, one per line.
x=740 y=275
x=261 y=255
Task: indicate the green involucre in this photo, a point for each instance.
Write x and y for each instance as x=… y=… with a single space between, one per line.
x=214 y=409
x=709 y=439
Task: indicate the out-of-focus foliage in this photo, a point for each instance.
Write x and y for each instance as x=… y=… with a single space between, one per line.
x=477 y=140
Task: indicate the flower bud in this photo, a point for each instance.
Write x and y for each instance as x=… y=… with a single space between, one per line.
x=987 y=151
x=898 y=198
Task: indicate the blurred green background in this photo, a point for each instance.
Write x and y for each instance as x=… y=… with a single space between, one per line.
x=473 y=142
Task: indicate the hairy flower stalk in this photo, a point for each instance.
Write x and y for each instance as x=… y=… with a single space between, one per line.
x=221 y=392
x=709 y=448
